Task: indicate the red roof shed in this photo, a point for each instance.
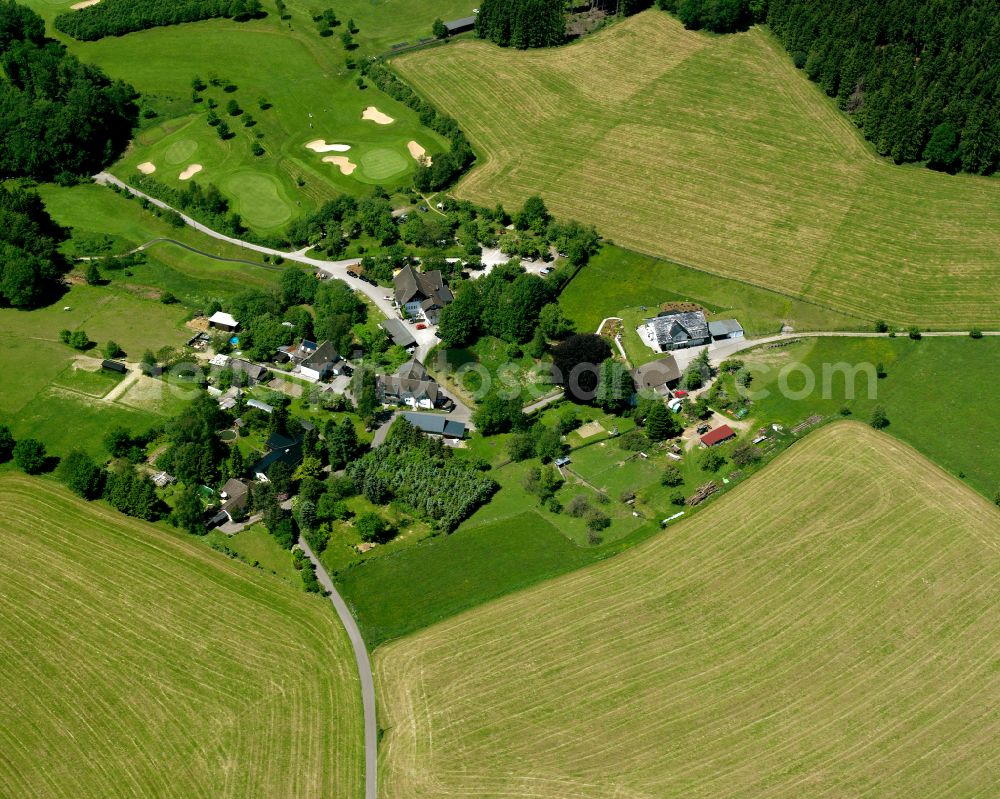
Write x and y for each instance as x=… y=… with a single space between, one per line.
x=717 y=436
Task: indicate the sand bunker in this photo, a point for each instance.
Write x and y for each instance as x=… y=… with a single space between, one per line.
x=419 y=153
x=346 y=165
x=373 y=114
x=190 y=172
x=84 y=4
x=147 y=167
x=320 y=146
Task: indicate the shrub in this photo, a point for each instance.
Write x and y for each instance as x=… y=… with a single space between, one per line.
x=372 y=527
x=881 y=326
x=975 y=333
x=915 y=333
x=29 y=455
x=677 y=498
x=879 y=419
x=597 y=521
x=578 y=506
x=671 y=476
x=79 y=472
x=745 y=454
x=6 y=443
x=633 y=441
x=712 y=461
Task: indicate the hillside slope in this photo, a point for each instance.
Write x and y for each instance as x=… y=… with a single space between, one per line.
x=715 y=151
x=135 y=663
x=828 y=629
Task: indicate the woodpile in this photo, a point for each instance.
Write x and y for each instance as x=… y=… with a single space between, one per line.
x=806 y=424
x=702 y=493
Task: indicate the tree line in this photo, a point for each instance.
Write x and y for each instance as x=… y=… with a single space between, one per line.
x=58 y=118
x=522 y=23
x=920 y=77
x=118 y=17
x=446 y=167
x=31 y=266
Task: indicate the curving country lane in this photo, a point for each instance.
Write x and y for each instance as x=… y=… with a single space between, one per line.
x=364 y=670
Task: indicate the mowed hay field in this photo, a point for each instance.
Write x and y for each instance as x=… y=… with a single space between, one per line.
x=135 y=663
x=714 y=151
x=829 y=629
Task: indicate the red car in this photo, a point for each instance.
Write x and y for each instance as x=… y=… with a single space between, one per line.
x=680 y=393
x=421 y=326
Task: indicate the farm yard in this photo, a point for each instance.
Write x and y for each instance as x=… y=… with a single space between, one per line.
x=135 y=662
x=60 y=395
x=795 y=636
x=628 y=283
x=715 y=152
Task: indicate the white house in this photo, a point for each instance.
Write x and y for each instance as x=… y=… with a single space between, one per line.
x=321 y=363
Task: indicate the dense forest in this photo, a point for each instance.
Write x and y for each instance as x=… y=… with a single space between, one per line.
x=522 y=23
x=118 y=17
x=58 y=117
x=30 y=263
x=921 y=77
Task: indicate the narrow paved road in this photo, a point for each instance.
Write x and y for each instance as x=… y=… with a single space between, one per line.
x=426 y=338
x=719 y=351
x=364 y=670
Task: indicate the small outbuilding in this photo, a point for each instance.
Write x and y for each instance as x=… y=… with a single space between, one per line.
x=725 y=329
x=399 y=334
x=223 y=321
x=657 y=377
x=462 y=25
x=435 y=425
x=718 y=435
x=114 y=366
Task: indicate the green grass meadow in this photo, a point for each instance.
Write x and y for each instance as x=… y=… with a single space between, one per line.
x=939 y=394
x=715 y=151
x=828 y=629
x=135 y=661
x=105 y=223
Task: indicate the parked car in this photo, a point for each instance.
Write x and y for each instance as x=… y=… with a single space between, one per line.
x=548 y=270
x=369 y=280
x=703 y=428
x=680 y=393
x=351 y=273
x=421 y=326
x=562 y=461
